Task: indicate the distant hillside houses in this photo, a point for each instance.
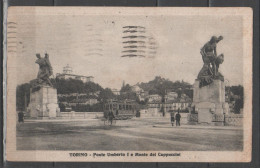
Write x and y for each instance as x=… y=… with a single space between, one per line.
x=171 y=96
x=154 y=98
x=115 y=91
x=68 y=74
x=75 y=99
x=140 y=93
x=136 y=89
x=79 y=95
x=172 y=103
x=83 y=102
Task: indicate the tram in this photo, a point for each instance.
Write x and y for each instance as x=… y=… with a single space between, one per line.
x=122 y=110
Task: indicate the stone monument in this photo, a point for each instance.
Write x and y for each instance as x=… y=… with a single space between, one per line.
x=43 y=96
x=209 y=87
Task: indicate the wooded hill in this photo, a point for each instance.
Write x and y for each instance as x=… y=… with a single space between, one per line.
x=158 y=85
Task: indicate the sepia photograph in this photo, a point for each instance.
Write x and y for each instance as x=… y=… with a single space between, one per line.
x=129 y=84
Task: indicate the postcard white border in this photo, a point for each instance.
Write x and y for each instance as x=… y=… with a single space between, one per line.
x=186 y=156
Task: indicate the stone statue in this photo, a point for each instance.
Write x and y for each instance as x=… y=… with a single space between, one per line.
x=43 y=96
x=209 y=71
x=45 y=71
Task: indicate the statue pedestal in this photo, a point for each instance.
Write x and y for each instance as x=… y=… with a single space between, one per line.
x=43 y=103
x=209 y=102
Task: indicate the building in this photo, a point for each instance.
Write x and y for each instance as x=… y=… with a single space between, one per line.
x=171 y=96
x=180 y=105
x=90 y=101
x=68 y=74
x=172 y=102
x=170 y=105
x=155 y=104
x=154 y=97
x=183 y=103
x=140 y=93
x=136 y=89
x=115 y=91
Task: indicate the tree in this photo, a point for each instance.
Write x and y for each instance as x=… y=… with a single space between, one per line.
x=161 y=86
x=127 y=93
x=126 y=88
x=62 y=107
x=152 y=91
x=237 y=90
x=76 y=86
x=188 y=92
x=69 y=86
x=22 y=93
x=238 y=105
x=106 y=94
x=91 y=87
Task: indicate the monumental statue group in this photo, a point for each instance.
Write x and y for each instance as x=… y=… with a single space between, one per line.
x=209 y=87
x=43 y=96
x=211 y=62
x=45 y=71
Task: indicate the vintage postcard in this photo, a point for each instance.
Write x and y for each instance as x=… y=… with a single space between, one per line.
x=113 y=84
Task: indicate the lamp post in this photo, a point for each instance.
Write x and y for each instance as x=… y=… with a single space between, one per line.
x=165 y=108
x=224 y=120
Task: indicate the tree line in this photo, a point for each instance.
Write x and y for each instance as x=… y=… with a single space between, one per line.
x=158 y=85
x=65 y=87
x=162 y=86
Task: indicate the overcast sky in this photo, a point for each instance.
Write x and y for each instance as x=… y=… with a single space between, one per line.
x=93 y=46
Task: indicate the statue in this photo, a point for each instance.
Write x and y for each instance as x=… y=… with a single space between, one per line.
x=43 y=96
x=45 y=71
x=211 y=61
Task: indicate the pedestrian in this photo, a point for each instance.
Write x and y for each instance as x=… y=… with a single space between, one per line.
x=20 y=117
x=172 y=118
x=178 y=118
x=111 y=117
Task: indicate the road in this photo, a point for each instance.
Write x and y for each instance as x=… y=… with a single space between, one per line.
x=135 y=134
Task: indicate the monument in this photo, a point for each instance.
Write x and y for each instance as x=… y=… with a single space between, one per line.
x=43 y=96
x=209 y=87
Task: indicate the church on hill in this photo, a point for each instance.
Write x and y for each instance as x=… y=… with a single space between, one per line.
x=68 y=74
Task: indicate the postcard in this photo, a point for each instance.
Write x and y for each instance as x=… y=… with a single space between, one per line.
x=129 y=84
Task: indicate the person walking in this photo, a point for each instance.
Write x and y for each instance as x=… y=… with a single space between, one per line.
x=111 y=117
x=178 y=118
x=20 y=117
x=172 y=118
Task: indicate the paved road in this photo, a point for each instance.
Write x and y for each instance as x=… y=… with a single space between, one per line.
x=134 y=134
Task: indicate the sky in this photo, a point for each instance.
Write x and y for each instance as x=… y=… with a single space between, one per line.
x=94 y=45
